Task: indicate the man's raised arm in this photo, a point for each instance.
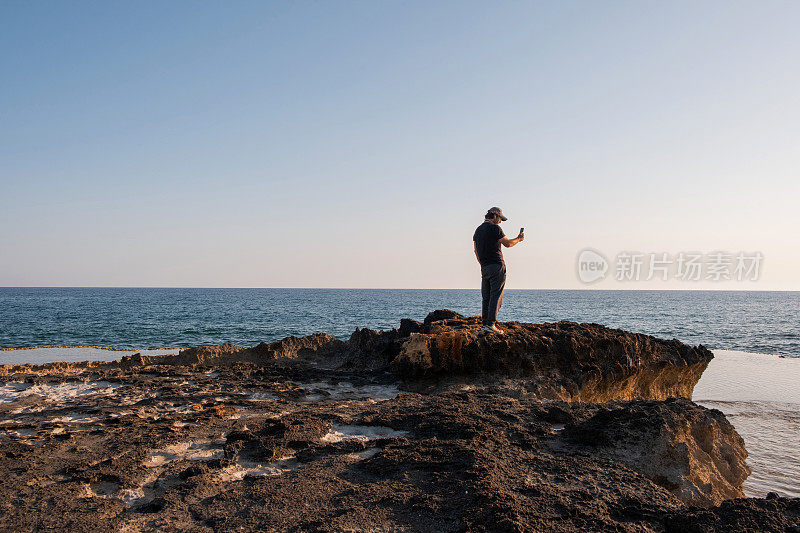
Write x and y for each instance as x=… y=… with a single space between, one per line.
x=508 y=243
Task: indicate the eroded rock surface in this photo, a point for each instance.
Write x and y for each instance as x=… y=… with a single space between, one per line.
x=693 y=452
x=562 y=360
x=317 y=434
x=772 y=513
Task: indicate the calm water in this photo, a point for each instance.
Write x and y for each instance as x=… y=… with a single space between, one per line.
x=764 y=322
x=760 y=397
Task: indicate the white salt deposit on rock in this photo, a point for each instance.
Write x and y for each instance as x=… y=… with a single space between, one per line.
x=339 y=433
x=194 y=450
x=242 y=468
x=55 y=392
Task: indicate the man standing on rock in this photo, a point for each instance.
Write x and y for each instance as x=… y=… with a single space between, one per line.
x=487 y=240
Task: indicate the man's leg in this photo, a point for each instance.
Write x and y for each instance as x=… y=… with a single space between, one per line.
x=497 y=282
x=486 y=290
x=502 y=275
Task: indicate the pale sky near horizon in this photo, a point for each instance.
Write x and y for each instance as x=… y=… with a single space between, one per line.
x=358 y=144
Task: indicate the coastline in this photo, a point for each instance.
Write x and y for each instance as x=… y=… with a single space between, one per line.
x=195 y=439
x=759 y=395
x=72 y=354
x=755 y=391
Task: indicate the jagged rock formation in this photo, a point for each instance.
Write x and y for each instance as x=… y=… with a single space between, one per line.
x=316 y=345
x=693 y=452
x=562 y=360
x=312 y=433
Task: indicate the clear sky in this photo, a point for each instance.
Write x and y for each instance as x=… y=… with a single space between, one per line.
x=358 y=144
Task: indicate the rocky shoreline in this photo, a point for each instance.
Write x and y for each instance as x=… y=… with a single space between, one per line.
x=432 y=426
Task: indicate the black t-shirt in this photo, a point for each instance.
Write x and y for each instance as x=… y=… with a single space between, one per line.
x=487 y=243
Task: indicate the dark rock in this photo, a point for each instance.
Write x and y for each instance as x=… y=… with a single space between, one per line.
x=693 y=452
x=312 y=346
x=153 y=506
x=276 y=438
x=493 y=445
x=194 y=470
x=442 y=315
x=564 y=360
x=408 y=326
x=778 y=515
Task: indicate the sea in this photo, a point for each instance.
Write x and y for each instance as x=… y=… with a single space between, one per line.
x=761 y=322
x=755 y=336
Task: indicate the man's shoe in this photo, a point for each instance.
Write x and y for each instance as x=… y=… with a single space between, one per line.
x=487 y=329
x=497 y=330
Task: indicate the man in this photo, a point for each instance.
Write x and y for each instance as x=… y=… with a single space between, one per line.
x=487 y=240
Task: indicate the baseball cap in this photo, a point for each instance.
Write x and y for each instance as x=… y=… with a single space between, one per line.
x=499 y=212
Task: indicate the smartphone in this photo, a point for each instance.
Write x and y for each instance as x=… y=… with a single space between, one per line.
x=522 y=230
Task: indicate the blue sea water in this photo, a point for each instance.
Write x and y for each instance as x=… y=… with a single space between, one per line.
x=765 y=322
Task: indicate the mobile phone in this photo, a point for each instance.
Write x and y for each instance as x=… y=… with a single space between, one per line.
x=522 y=230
